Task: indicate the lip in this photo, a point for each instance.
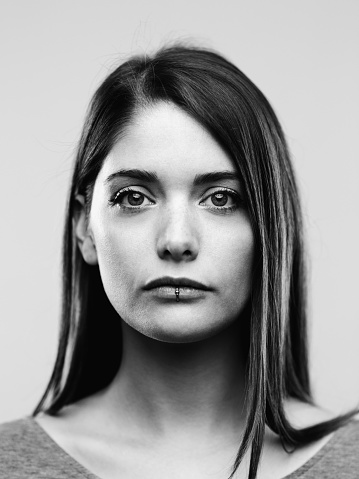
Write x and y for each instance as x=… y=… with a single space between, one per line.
x=183 y=283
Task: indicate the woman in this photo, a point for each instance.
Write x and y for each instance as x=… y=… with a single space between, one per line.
x=183 y=348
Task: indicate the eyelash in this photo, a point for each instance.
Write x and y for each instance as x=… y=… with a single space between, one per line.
x=119 y=195
x=224 y=209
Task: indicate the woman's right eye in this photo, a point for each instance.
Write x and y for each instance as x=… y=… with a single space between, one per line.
x=131 y=199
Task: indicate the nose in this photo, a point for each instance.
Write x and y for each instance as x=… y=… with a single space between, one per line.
x=178 y=235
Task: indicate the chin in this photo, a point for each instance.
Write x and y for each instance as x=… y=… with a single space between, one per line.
x=177 y=331
x=183 y=337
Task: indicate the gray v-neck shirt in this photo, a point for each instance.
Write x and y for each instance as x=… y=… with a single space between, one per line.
x=27 y=451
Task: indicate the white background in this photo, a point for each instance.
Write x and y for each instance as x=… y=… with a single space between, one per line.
x=303 y=54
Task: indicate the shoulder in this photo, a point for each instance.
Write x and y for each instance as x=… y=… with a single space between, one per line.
x=301 y=414
x=17 y=443
x=345 y=441
x=15 y=435
x=335 y=455
x=338 y=458
x=27 y=452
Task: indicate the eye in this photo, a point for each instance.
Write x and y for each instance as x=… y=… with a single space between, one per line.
x=219 y=199
x=134 y=199
x=131 y=199
x=223 y=198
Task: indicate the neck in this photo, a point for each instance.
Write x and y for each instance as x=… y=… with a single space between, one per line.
x=197 y=385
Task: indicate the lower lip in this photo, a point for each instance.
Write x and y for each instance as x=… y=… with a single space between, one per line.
x=169 y=293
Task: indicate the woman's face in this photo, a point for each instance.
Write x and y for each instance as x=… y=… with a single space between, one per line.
x=167 y=213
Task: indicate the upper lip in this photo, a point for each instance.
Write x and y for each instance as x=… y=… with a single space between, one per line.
x=175 y=282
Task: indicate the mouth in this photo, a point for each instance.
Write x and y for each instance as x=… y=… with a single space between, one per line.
x=179 y=288
x=173 y=283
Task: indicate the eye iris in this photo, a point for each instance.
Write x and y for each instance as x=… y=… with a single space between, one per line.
x=219 y=199
x=135 y=199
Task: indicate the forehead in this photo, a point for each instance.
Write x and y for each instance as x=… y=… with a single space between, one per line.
x=165 y=139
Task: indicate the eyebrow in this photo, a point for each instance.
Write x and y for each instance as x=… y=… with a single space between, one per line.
x=151 y=177
x=142 y=175
x=214 y=177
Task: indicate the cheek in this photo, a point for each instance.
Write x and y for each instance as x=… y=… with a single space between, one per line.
x=234 y=256
x=121 y=255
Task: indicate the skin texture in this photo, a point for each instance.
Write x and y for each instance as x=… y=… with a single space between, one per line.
x=176 y=232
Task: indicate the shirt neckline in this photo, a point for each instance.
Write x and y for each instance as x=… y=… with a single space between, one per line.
x=73 y=463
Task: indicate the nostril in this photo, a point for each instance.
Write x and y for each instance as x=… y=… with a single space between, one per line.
x=178 y=255
x=177 y=244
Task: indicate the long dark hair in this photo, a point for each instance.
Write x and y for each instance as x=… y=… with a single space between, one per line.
x=220 y=97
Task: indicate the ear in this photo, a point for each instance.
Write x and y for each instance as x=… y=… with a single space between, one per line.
x=83 y=234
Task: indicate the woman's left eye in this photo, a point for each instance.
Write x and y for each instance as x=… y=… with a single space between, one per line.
x=222 y=199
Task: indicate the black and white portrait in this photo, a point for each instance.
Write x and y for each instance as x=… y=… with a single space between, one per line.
x=179 y=209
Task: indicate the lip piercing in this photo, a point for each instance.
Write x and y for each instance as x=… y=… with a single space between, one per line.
x=177 y=292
